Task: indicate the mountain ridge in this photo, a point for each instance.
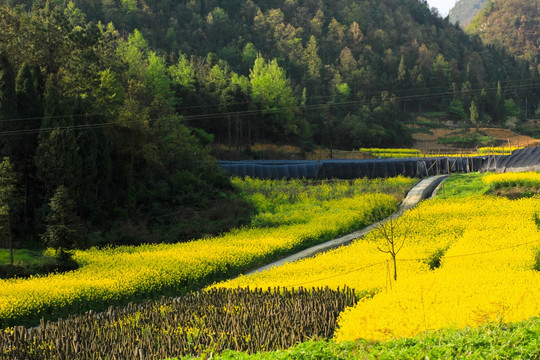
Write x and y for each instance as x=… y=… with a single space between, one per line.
x=512 y=24
x=464 y=11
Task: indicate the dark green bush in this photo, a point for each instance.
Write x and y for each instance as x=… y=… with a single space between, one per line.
x=434 y=260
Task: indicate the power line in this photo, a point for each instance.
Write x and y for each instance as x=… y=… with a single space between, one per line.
x=413 y=259
x=516 y=86
x=341 y=274
x=492 y=251
x=312 y=108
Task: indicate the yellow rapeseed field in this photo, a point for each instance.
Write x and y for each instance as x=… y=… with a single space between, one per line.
x=109 y=276
x=414 y=153
x=524 y=179
x=489 y=246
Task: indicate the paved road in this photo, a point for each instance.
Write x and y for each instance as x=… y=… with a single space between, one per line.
x=419 y=192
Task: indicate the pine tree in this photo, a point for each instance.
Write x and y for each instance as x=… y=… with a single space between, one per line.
x=57 y=160
x=474 y=115
x=8 y=99
x=498 y=111
x=64 y=230
x=455 y=110
x=8 y=201
x=402 y=70
x=21 y=145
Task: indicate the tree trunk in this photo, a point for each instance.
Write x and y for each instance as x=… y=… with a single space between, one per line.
x=249 y=132
x=132 y=160
x=395 y=268
x=230 y=131
x=10 y=239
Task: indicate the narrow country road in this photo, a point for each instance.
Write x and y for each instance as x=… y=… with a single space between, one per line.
x=419 y=192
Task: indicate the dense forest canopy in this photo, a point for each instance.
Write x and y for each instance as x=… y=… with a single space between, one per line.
x=512 y=24
x=83 y=109
x=115 y=102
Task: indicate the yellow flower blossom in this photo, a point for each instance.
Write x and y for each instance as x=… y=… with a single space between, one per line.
x=117 y=274
x=486 y=273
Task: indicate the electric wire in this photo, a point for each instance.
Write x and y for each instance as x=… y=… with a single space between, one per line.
x=367 y=101
x=222 y=115
x=413 y=259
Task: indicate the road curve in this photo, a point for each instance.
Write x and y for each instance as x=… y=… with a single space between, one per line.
x=419 y=192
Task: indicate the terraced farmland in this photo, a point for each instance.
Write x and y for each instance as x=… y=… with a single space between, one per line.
x=467 y=282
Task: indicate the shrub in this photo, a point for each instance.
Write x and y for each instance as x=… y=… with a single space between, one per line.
x=434 y=260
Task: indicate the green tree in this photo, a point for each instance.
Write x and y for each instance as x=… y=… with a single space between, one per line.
x=474 y=115
x=184 y=82
x=335 y=40
x=455 y=110
x=91 y=194
x=57 y=159
x=498 y=107
x=440 y=74
x=356 y=36
x=158 y=83
x=9 y=199
x=511 y=109
x=333 y=122
x=512 y=114
x=134 y=52
x=110 y=94
x=272 y=92
x=8 y=99
x=466 y=94
x=249 y=54
x=402 y=70
x=22 y=145
x=234 y=100
x=64 y=230
x=312 y=60
x=183 y=74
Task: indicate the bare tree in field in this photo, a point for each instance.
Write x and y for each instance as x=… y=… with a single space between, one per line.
x=394 y=232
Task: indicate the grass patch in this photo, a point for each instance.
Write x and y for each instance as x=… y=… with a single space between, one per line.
x=514 y=185
x=438 y=114
x=462 y=185
x=516 y=192
x=493 y=341
x=24 y=257
x=467 y=140
x=532 y=132
x=537 y=261
x=427 y=124
x=31 y=263
x=392 y=153
x=420 y=131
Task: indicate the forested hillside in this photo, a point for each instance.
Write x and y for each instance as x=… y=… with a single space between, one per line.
x=94 y=146
x=111 y=104
x=464 y=11
x=514 y=24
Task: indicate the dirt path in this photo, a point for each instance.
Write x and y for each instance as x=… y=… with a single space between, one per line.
x=428 y=142
x=510 y=137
